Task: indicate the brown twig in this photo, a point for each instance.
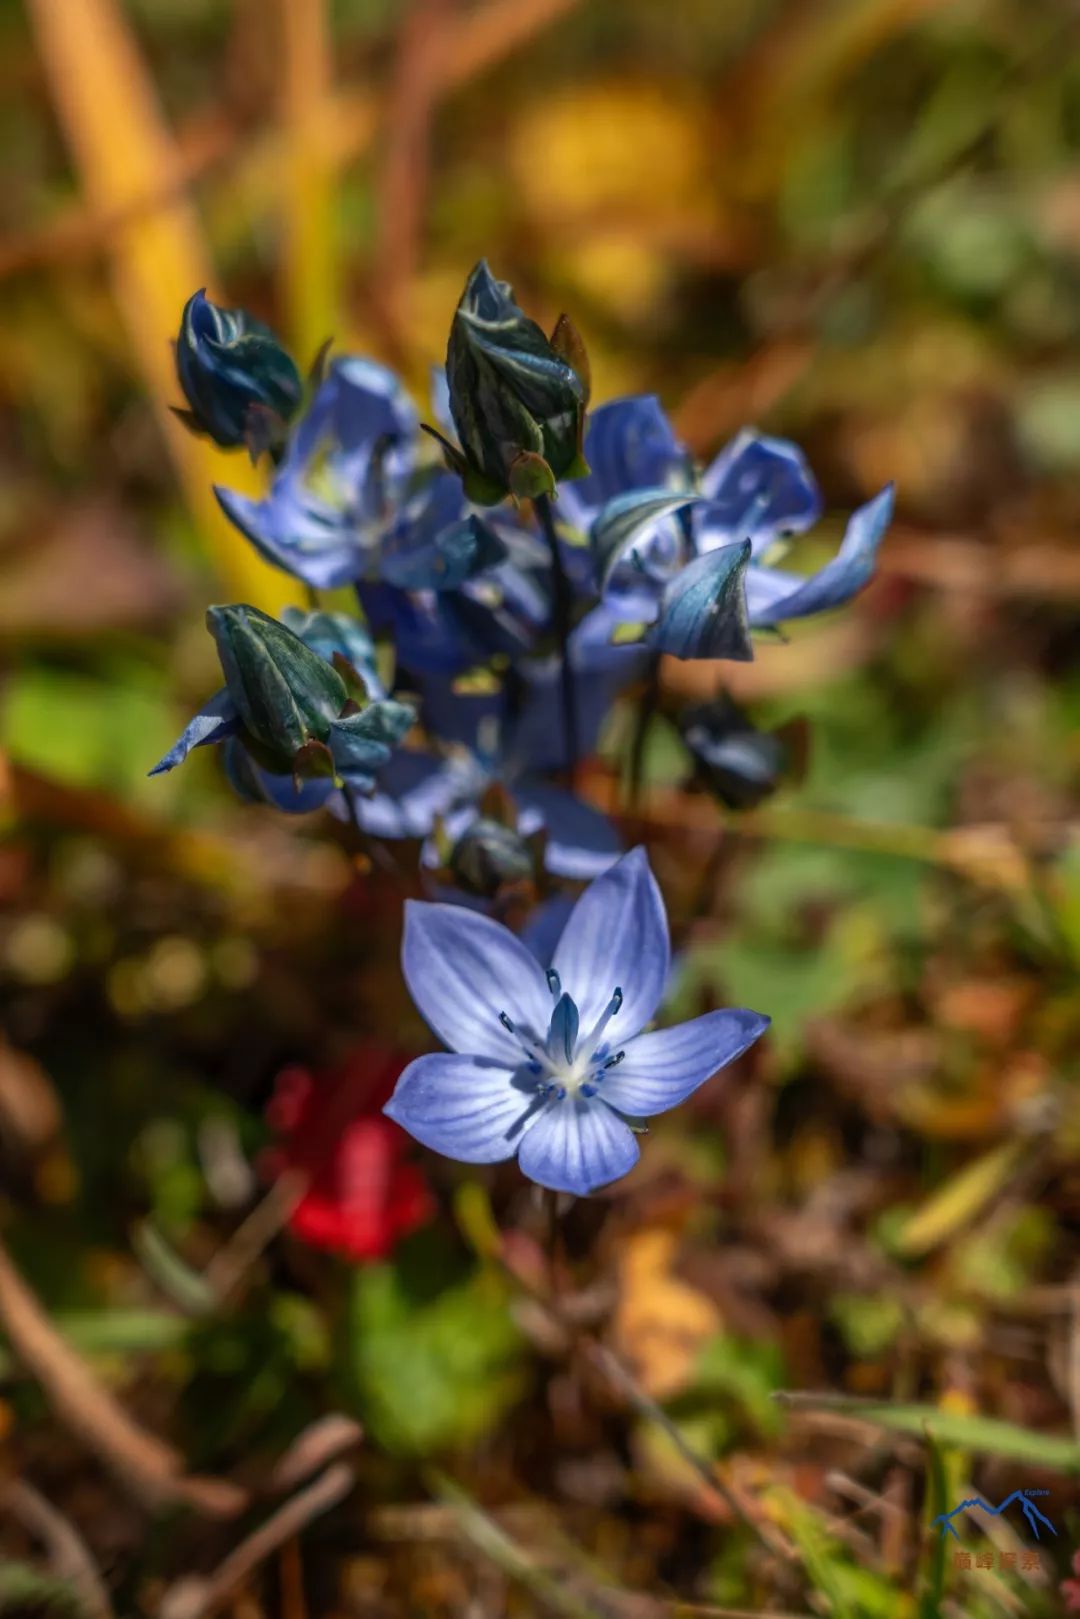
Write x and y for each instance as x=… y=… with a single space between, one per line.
x=68 y=1554
x=322 y=1442
x=194 y=1597
x=711 y=1474
x=401 y=188
x=149 y=1468
x=483 y=38
x=235 y=1257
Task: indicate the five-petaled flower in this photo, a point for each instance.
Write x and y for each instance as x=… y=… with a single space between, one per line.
x=553 y=1065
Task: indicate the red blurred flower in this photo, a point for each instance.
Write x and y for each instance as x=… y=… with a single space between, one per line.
x=362 y=1193
x=1070 y=1589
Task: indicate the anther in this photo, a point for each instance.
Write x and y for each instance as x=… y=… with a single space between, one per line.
x=554 y=982
x=506 y=1023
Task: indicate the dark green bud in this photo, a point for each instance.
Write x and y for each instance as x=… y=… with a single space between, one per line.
x=240 y=385
x=489 y=856
x=739 y=764
x=286 y=695
x=513 y=395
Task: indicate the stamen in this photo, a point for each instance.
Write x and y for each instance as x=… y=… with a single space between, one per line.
x=554 y=982
x=538 y=1058
x=604 y=1019
x=613 y=1062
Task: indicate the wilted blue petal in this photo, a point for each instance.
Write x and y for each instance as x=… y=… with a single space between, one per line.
x=703 y=611
x=465 y=1107
x=662 y=1069
x=850 y=569
x=617 y=938
x=577 y=1146
x=756 y=489
x=581 y=841
x=462 y=971
x=629 y=444
x=217 y=719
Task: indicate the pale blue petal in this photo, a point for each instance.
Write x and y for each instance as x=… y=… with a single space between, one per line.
x=304 y=537
x=440 y=403
x=371 y=403
x=216 y=720
x=703 y=611
x=581 y=841
x=850 y=569
x=617 y=938
x=662 y=1069
x=544 y=929
x=577 y=1145
x=413 y=788
x=463 y=970
x=465 y=1107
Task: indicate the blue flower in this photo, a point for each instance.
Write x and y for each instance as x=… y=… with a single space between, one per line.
x=553 y=1066
x=685 y=559
x=417 y=789
x=347 y=467
x=629 y=444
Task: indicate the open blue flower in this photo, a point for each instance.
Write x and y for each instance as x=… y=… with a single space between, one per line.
x=685 y=559
x=553 y=1065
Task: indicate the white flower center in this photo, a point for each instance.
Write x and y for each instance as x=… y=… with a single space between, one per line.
x=564 y=1064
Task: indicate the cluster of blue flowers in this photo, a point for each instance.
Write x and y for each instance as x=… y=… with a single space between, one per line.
x=512 y=628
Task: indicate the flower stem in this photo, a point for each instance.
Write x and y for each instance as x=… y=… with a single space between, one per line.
x=561 y=625
x=646 y=713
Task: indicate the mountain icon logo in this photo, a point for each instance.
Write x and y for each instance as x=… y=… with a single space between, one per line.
x=1031 y=1512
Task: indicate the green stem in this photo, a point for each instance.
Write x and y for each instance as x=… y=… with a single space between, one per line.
x=561 y=625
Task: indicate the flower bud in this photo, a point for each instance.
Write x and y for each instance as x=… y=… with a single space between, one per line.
x=240 y=385
x=285 y=694
x=514 y=395
x=488 y=856
x=739 y=764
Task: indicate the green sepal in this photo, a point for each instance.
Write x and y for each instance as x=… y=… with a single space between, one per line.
x=530 y=477
x=569 y=345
